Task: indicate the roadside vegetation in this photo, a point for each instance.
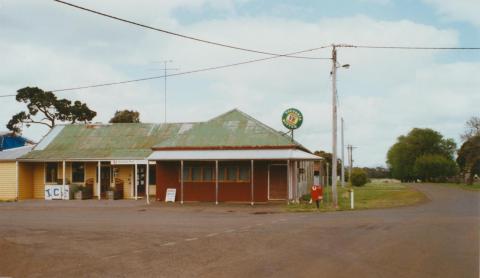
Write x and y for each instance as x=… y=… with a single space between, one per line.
x=369 y=196
x=471 y=187
x=425 y=155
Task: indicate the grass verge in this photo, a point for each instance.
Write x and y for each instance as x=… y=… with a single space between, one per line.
x=378 y=195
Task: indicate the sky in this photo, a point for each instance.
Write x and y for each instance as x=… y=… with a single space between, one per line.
x=384 y=93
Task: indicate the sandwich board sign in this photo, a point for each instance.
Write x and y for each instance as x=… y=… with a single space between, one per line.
x=170 y=195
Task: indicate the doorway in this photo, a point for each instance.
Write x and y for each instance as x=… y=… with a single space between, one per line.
x=105 y=179
x=277 y=182
x=141 y=179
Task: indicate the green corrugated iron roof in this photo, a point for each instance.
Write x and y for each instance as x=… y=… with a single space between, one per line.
x=136 y=140
x=232 y=129
x=104 y=141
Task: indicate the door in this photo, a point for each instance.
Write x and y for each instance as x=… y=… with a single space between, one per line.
x=278 y=182
x=105 y=179
x=141 y=179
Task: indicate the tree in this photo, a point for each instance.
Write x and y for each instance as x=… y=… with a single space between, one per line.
x=327 y=158
x=434 y=168
x=377 y=172
x=472 y=128
x=469 y=158
x=52 y=110
x=359 y=177
x=125 y=116
x=402 y=156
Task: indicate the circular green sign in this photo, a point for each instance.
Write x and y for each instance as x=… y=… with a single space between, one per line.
x=292 y=118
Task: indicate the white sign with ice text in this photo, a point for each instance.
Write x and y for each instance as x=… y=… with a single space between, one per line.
x=57 y=192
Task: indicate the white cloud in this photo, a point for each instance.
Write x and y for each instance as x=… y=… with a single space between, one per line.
x=458 y=10
x=383 y=94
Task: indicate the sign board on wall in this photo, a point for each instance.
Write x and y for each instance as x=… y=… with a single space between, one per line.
x=170 y=196
x=57 y=192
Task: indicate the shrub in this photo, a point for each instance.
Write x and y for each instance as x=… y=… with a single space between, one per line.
x=305 y=197
x=359 y=177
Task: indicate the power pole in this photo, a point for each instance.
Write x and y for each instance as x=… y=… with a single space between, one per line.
x=350 y=161
x=334 y=125
x=343 y=158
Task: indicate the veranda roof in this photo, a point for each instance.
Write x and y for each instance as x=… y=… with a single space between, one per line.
x=259 y=154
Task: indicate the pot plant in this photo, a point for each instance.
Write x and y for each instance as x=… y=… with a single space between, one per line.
x=78 y=192
x=111 y=193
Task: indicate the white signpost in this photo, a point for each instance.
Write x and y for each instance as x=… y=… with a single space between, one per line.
x=57 y=192
x=170 y=196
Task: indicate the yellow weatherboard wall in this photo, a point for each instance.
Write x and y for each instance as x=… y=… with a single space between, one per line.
x=39 y=181
x=25 y=180
x=8 y=180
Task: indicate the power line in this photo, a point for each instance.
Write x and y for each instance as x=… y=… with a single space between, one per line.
x=407 y=47
x=179 y=73
x=184 y=36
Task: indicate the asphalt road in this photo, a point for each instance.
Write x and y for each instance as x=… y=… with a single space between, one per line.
x=439 y=238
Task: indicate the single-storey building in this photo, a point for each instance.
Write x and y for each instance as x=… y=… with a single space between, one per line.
x=11 y=174
x=232 y=157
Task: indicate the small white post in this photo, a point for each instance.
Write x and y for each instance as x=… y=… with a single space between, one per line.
x=147 y=183
x=289 y=182
x=251 y=182
x=98 y=179
x=352 y=206
x=181 y=182
x=63 y=179
x=136 y=182
x=216 y=182
x=16 y=179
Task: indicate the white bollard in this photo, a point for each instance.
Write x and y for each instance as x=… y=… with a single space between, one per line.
x=351 y=199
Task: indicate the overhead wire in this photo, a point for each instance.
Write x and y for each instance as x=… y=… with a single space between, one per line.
x=184 y=36
x=407 y=47
x=179 y=73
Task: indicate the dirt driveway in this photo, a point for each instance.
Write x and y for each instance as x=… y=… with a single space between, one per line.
x=439 y=238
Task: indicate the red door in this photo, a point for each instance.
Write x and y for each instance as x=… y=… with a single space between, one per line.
x=278 y=186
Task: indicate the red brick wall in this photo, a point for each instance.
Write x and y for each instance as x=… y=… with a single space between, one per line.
x=168 y=174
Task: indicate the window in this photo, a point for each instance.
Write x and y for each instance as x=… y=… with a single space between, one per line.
x=78 y=172
x=152 y=174
x=208 y=174
x=232 y=173
x=186 y=173
x=226 y=173
x=221 y=173
x=244 y=173
x=51 y=170
x=196 y=174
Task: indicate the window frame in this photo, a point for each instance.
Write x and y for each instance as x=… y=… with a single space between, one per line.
x=46 y=172
x=222 y=173
x=84 y=172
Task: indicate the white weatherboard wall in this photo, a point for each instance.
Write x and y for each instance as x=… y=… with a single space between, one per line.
x=8 y=180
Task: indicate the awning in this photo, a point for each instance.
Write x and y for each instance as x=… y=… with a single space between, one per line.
x=282 y=154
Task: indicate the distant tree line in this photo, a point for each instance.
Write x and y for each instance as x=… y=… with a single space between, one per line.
x=425 y=155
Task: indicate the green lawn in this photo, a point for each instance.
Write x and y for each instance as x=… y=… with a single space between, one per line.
x=371 y=195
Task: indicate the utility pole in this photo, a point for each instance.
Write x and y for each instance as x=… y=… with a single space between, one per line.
x=334 y=126
x=350 y=161
x=334 y=121
x=343 y=158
